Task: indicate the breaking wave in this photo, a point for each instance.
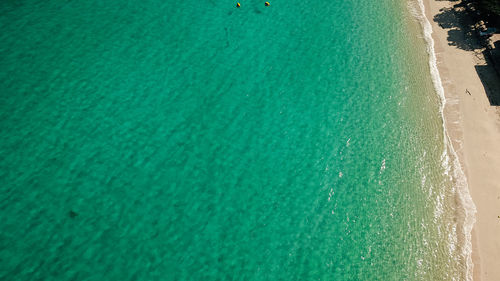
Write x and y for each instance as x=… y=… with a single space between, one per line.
x=449 y=158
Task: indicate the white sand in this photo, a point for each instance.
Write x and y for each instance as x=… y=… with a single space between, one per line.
x=474 y=127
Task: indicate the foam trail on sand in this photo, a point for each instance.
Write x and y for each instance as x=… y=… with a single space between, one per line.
x=449 y=152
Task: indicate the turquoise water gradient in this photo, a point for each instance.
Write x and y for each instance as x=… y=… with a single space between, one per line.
x=167 y=140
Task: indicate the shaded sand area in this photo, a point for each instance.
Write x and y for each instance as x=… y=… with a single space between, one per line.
x=472 y=89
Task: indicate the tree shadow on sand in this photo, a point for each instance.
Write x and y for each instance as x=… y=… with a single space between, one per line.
x=462 y=30
x=461 y=27
x=490 y=78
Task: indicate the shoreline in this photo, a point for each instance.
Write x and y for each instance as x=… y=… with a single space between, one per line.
x=473 y=127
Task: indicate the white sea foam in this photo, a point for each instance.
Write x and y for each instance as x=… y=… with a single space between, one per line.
x=382 y=167
x=330 y=194
x=449 y=154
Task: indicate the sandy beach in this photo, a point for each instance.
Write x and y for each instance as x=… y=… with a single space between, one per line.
x=473 y=122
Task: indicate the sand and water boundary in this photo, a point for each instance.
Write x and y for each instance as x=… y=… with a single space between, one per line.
x=472 y=123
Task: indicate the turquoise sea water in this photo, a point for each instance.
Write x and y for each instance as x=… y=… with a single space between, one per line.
x=166 y=140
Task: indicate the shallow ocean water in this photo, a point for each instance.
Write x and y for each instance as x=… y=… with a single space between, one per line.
x=159 y=140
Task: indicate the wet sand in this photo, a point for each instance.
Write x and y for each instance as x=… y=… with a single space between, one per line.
x=473 y=122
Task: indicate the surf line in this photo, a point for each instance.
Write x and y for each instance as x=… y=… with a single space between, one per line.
x=456 y=168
